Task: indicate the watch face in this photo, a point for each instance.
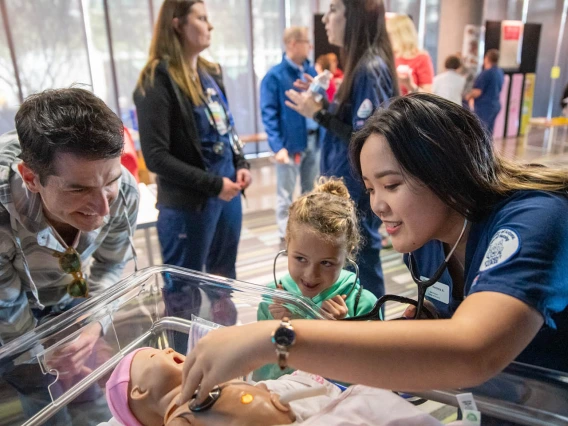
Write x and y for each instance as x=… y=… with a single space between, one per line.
x=284 y=336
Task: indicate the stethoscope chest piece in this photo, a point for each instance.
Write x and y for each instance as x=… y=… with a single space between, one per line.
x=211 y=399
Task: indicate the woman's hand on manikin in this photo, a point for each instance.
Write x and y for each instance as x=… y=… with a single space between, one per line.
x=224 y=354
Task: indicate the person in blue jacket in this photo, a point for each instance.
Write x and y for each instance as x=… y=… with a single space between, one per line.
x=187 y=138
x=429 y=168
x=369 y=80
x=486 y=90
x=292 y=138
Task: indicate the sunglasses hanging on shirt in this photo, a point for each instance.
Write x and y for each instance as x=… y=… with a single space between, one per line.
x=70 y=263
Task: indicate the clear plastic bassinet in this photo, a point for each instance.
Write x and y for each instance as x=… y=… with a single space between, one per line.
x=154 y=308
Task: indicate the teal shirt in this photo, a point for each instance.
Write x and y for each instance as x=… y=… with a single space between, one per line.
x=341 y=287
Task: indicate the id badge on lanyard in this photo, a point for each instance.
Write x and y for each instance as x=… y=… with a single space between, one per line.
x=216 y=113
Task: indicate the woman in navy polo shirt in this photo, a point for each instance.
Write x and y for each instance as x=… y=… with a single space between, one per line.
x=187 y=140
x=433 y=178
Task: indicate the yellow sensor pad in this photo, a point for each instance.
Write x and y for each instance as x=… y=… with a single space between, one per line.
x=246 y=398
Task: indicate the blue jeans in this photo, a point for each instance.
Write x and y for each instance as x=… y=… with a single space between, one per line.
x=205 y=240
x=287 y=175
x=487 y=118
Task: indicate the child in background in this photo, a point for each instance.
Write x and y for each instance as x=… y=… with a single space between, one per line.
x=322 y=233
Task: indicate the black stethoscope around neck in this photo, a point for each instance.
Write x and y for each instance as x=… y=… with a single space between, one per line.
x=423 y=285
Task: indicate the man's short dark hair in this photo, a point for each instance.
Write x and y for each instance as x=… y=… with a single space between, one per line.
x=493 y=56
x=70 y=121
x=452 y=62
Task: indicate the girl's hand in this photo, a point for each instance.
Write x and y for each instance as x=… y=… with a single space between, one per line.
x=410 y=312
x=225 y=354
x=303 y=103
x=336 y=306
x=304 y=85
x=277 y=309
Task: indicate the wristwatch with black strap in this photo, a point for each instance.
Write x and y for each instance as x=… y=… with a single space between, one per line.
x=283 y=338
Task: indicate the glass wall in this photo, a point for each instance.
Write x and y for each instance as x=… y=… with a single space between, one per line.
x=103 y=44
x=49 y=44
x=269 y=21
x=130 y=32
x=9 y=92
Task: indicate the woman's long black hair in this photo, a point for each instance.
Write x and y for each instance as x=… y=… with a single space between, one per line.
x=365 y=33
x=445 y=147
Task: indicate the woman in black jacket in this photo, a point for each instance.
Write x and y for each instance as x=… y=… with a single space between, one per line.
x=187 y=138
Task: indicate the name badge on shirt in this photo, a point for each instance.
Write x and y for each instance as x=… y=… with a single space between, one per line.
x=219 y=117
x=439 y=291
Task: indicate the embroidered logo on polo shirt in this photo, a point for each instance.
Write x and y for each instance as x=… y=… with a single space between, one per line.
x=504 y=245
x=366 y=109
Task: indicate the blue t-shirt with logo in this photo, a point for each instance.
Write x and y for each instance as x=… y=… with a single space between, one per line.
x=372 y=86
x=490 y=82
x=520 y=249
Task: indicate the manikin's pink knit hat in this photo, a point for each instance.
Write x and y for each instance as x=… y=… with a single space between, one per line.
x=117 y=391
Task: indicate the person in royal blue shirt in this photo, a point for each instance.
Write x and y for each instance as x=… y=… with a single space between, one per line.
x=497 y=231
x=369 y=80
x=487 y=90
x=292 y=138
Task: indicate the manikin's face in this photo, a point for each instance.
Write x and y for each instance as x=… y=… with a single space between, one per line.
x=79 y=194
x=195 y=34
x=334 y=21
x=156 y=370
x=411 y=212
x=314 y=262
x=155 y=377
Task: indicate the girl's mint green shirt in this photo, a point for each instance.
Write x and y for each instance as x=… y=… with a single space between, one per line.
x=342 y=286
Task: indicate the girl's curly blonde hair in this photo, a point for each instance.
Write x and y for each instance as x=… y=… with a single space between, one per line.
x=329 y=211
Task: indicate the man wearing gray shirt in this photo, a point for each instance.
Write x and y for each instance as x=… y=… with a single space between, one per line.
x=450 y=84
x=67 y=214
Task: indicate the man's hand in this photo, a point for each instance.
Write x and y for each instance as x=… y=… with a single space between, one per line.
x=303 y=103
x=70 y=359
x=304 y=85
x=336 y=306
x=282 y=156
x=244 y=178
x=230 y=190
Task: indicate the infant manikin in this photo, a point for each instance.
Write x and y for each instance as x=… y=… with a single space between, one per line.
x=145 y=385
